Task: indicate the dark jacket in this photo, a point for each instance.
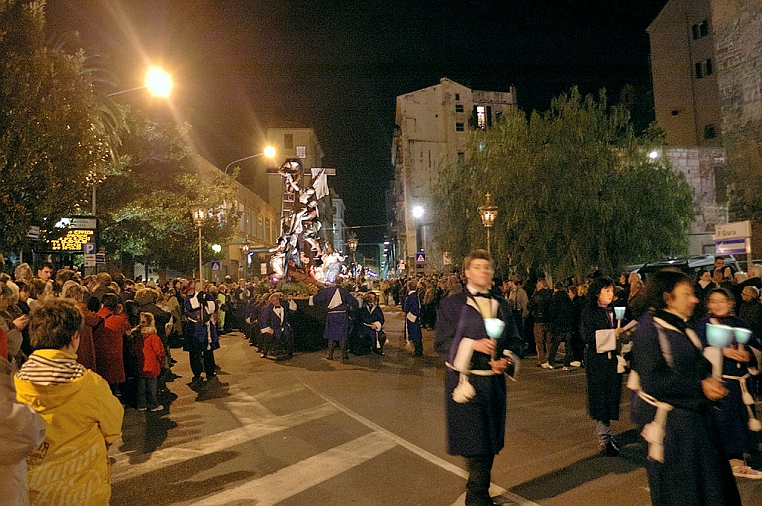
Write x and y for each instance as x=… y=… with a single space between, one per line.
x=562 y=312
x=539 y=306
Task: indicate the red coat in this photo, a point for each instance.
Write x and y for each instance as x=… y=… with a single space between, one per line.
x=3 y=344
x=108 y=340
x=150 y=352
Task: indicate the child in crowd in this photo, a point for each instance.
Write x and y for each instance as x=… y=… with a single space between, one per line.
x=149 y=350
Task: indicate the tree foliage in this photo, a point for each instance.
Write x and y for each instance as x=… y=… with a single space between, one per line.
x=145 y=207
x=60 y=134
x=575 y=188
x=54 y=131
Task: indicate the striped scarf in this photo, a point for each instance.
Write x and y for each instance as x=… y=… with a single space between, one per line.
x=50 y=371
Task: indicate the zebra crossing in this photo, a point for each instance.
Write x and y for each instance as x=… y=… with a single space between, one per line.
x=359 y=446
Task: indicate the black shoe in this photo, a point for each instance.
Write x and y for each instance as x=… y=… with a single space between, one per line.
x=611 y=449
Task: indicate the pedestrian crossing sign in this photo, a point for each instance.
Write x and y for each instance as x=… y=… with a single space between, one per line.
x=420 y=257
x=216 y=265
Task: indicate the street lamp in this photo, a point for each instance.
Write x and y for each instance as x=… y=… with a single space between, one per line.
x=199 y=212
x=352 y=243
x=269 y=152
x=244 y=247
x=157 y=82
x=488 y=213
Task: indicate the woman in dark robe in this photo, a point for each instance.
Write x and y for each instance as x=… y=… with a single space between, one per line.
x=604 y=384
x=734 y=414
x=687 y=464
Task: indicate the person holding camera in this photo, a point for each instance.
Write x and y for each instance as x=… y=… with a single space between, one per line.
x=201 y=337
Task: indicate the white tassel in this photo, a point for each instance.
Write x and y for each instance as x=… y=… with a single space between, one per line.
x=654 y=433
x=754 y=424
x=464 y=392
x=621 y=364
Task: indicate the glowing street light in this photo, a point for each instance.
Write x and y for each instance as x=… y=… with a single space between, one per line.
x=352 y=243
x=157 y=82
x=269 y=152
x=418 y=212
x=200 y=213
x=488 y=213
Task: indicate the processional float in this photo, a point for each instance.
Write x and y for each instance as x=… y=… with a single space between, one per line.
x=302 y=252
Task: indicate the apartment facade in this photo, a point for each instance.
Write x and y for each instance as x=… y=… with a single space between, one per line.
x=432 y=127
x=684 y=73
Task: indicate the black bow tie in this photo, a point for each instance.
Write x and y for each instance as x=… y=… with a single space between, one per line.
x=485 y=295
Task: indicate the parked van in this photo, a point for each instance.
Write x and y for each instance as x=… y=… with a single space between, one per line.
x=690 y=265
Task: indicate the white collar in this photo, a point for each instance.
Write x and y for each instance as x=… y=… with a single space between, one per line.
x=473 y=290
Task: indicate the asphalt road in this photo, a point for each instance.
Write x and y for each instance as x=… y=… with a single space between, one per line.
x=366 y=432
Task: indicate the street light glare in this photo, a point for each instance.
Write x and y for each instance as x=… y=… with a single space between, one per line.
x=418 y=212
x=158 y=82
x=269 y=152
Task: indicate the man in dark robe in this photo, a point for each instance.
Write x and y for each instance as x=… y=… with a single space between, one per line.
x=477 y=362
x=339 y=301
x=274 y=326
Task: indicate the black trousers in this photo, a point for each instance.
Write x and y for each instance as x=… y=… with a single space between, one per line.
x=342 y=345
x=284 y=344
x=202 y=361
x=479 y=478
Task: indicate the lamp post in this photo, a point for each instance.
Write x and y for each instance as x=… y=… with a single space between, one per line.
x=157 y=82
x=269 y=152
x=488 y=213
x=352 y=243
x=244 y=247
x=199 y=212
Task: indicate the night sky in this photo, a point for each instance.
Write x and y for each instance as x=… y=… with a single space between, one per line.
x=241 y=66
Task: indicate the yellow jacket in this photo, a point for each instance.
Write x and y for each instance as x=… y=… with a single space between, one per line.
x=71 y=467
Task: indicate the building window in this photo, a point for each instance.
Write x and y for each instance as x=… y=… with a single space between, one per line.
x=301 y=151
x=704 y=69
x=288 y=141
x=457 y=96
x=700 y=30
x=461 y=156
x=460 y=127
x=458 y=107
x=709 y=132
x=481 y=117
